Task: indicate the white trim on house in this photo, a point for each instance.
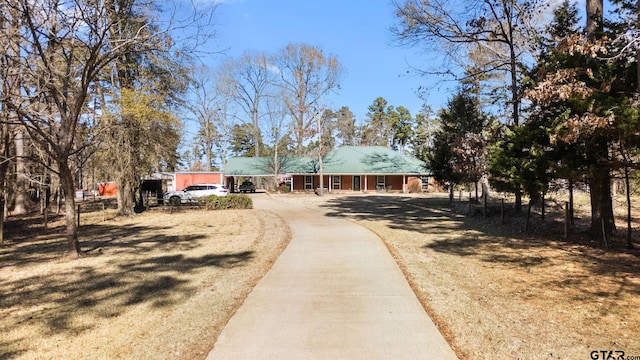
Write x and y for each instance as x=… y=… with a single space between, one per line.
x=337 y=182
x=308 y=182
x=381 y=182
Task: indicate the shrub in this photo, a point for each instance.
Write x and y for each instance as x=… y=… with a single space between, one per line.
x=414 y=186
x=234 y=201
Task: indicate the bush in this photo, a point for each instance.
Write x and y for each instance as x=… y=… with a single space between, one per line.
x=234 y=201
x=414 y=186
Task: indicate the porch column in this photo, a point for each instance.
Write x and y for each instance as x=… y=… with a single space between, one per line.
x=404 y=184
x=329 y=183
x=365 y=183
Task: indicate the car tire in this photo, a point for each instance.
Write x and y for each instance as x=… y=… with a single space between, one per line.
x=174 y=201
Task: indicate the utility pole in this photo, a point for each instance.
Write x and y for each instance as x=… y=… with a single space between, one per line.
x=318 y=122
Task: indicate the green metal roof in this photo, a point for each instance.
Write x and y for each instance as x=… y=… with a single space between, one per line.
x=373 y=160
x=263 y=166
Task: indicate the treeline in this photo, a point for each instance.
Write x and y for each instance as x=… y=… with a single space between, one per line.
x=89 y=90
x=261 y=104
x=542 y=98
x=99 y=91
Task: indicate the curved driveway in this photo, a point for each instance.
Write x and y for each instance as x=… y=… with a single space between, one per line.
x=334 y=293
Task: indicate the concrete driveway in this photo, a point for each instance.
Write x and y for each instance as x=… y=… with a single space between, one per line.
x=334 y=293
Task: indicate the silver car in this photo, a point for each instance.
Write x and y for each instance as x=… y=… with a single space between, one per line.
x=192 y=193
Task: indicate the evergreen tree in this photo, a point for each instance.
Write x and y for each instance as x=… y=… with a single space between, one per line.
x=242 y=142
x=378 y=130
x=584 y=95
x=422 y=136
x=460 y=144
x=345 y=127
x=401 y=126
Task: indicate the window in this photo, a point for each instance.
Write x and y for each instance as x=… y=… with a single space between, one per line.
x=336 y=182
x=380 y=183
x=425 y=182
x=308 y=182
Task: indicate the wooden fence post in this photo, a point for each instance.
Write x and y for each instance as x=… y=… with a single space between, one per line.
x=604 y=234
x=526 y=226
x=2 y=221
x=484 y=207
x=566 y=220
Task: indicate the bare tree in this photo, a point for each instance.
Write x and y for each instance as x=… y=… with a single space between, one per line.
x=10 y=41
x=306 y=76
x=64 y=47
x=495 y=34
x=206 y=109
x=61 y=54
x=249 y=79
x=278 y=127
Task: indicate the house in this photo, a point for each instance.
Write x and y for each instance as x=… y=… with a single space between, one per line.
x=346 y=169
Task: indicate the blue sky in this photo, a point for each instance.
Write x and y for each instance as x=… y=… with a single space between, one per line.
x=357 y=32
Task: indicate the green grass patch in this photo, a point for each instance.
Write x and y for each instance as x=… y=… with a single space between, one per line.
x=234 y=201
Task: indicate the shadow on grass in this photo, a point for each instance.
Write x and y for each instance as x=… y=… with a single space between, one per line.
x=403 y=213
x=150 y=268
x=488 y=240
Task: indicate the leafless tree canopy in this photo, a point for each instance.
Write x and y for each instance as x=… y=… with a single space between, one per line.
x=57 y=51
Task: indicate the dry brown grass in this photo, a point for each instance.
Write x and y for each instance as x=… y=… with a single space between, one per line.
x=163 y=285
x=497 y=293
x=157 y=285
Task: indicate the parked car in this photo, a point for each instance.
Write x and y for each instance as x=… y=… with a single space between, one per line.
x=247 y=186
x=192 y=193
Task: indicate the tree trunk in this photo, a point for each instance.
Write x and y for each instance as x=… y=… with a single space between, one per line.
x=4 y=152
x=515 y=104
x=276 y=166
x=571 y=202
x=321 y=190
x=125 y=198
x=477 y=198
x=256 y=131
x=138 y=200
x=601 y=201
x=628 y=193
x=594 y=16
x=526 y=225
x=321 y=172
x=451 y=194
x=637 y=51
x=21 y=200
x=542 y=208
x=73 y=244
x=299 y=131
x=518 y=205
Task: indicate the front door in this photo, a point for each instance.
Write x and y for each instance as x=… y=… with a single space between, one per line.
x=308 y=182
x=356 y=183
